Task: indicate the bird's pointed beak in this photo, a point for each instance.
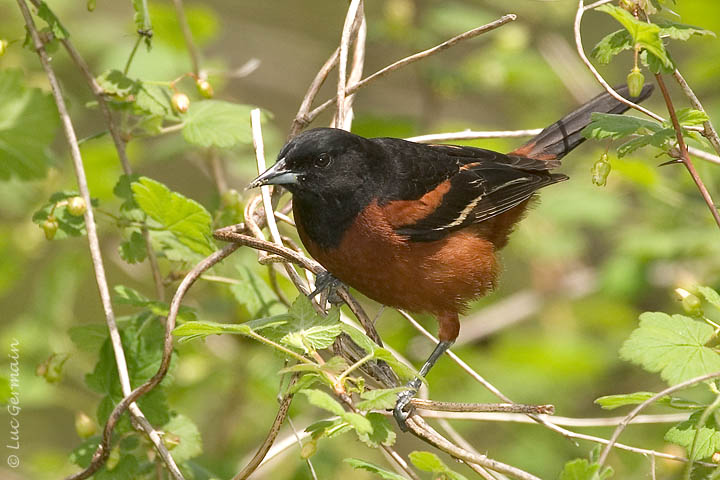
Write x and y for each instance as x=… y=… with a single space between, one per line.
x=278 y=174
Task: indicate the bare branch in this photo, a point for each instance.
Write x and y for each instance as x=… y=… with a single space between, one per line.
x=353 y=11
x=301 y=119
x=684 y=153
x=412 y=59
x=628 y=418
x=187 y=36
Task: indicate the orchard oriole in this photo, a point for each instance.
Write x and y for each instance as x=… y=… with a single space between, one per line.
x=418 y=226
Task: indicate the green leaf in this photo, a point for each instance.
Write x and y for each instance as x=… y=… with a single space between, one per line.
x=255 y=294
x=607 y=125
x=381 y=432
x=309 y=330
x=659 y=139
x=192 y=330
x=186 y=219
x=708 y=441
x=28 y=122
x=429 y=462
x=82 y=454
x=115 y=83
x=711 y=296
x=362 y=340
x=680 y=31
x=322 y=400
x=133 y=250
x=644 y=35
x=363 y=465
x=89 y=338
x=611 y=402
x=403 y=371
x=611 y=45
x=214 y=123
x=328 y=428
x=52 y=21
x=153 y=100
x=190 y=440
x=581 y=469
x=379 y=399
x=689 y=117
x=673 y=346
x=362 y=425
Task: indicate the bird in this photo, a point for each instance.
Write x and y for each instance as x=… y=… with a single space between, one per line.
x=419 y=226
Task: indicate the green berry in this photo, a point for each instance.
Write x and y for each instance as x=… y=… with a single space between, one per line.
x=635 y=82
x=84 y=425
x=3 y=46
x=91 y=5
x=204 y=88
x=171 y=440
x=600 y=171
x=180 y=102
x=76 y=206
x=692 y=305
x=231 y=199
x=50 y=227
x=308 y=449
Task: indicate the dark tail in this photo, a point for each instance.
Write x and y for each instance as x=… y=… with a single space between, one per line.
x=556 y=141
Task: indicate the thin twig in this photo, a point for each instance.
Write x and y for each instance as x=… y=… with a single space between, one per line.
x=358 y=63
x=257 y=459
x=684 y=153
x=411 y=59
x=578 y=44
x=709 y=130
x=187 y=36
x=301 y=119
x=352 y=14
x=561 y=421
x=434 y=406
x=95 y=253
x=646 y=403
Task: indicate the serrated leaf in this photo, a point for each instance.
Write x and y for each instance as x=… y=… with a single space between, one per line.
x=153 y=100
x=190 y=445
x=28 y=122
x=322 y=400
x=362 y=425
x=115 y=83
x=581 y=469
x=186 y=219
x=711 y=296
x=358 y=464
x=429 y=462
x=133 y=250
x=52 y=21
x=611 y=45
x=708 y=440
x=645 y=35
x=381 y=432
x=328 y=428
x=611 y=402
x=680 y=31
x=673 y=346
x=607 y=125
x=308 y=330
x=403 y=371
x=214 y=123
x=689 y=117
x=362 y=340
x=88 y=338
x=255 y=294
x=379 y=399
x=192 y=330
x=658 y=139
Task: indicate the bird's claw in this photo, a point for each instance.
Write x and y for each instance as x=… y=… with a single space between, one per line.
x=403 y=400
x=326 y=282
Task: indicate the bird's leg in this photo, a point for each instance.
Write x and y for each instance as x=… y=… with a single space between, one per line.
x=325 y=281
x=404 y=397
x=449 y=327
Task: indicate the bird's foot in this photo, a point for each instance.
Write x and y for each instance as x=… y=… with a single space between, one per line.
x=326 y=282
x=403 y=400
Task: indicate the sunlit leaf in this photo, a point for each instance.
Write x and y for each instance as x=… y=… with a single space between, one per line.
x=382 y=473
x=215 y=123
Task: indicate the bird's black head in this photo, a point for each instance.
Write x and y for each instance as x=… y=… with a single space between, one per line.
x=324 y=163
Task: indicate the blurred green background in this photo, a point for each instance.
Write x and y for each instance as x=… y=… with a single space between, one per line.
x=578 y=271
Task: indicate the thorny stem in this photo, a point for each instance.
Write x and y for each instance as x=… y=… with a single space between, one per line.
x=684 y=157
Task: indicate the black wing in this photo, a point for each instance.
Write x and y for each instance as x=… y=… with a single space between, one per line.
x=483 y=184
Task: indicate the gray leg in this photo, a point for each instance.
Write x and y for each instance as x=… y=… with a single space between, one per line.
x=404 y=397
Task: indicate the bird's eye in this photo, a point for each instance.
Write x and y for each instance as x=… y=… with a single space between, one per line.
x=323 y=161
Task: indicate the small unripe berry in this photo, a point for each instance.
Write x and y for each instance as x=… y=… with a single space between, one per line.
x=91 y=5
x=308 y=449
x=3 y=46
x=84 y=425
x=204 y=88
x=171 y=440
x=76 y=206
x=50 y=227
x=600 y=171
x=231 y=198
x=180 y=102
x=635 y=82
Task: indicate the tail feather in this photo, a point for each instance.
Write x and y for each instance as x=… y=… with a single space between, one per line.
x=557 y=140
